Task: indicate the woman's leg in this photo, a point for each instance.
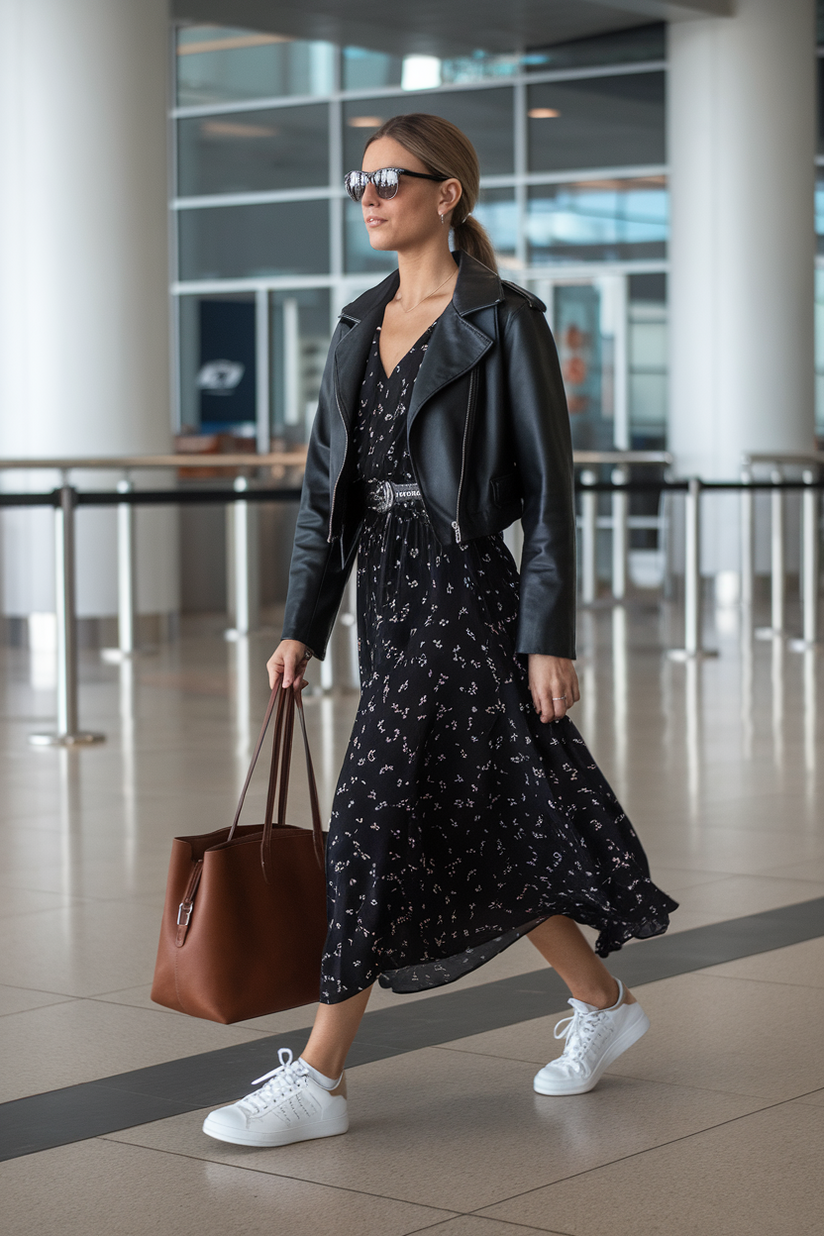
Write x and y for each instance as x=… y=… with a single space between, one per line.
x=562 y=943
x=334 y=1032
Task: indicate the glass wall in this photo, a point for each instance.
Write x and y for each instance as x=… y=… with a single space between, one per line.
x=571 y=141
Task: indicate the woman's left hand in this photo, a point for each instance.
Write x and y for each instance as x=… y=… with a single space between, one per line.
x=554 y=685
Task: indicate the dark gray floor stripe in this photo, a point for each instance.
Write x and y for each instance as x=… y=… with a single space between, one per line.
x=92 y=1109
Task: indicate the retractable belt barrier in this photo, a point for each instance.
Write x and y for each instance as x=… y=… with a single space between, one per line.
x=66 y=499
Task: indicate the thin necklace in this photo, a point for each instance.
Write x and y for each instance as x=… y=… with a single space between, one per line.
x=423 y=298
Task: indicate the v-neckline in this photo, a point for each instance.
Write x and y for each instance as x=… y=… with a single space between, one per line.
x=387 y=377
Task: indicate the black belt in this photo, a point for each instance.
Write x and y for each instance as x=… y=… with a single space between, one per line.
x=382 y=495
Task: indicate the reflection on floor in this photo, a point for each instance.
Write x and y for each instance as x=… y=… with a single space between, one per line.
x=709 y=1125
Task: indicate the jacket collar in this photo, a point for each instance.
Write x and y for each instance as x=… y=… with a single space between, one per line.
x=477 y=288
x=457 y=345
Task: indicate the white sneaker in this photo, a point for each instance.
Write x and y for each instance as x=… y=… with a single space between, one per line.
x=594 y=1038
x=291 y=1107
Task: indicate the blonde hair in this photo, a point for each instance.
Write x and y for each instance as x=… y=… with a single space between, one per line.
x=445 y=151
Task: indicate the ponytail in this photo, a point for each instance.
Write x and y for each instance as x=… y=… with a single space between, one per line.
x=473 y=238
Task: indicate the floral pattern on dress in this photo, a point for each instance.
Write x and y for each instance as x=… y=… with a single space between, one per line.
x=459 y=821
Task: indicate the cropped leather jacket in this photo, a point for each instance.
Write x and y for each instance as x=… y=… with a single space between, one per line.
x=489 y=440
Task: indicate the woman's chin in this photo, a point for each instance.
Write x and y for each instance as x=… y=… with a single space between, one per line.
x=381 y=242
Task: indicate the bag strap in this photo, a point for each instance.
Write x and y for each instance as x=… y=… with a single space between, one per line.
x=273 y=699
x=286 y=700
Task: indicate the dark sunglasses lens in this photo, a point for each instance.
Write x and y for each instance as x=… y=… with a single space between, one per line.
x=386 y=182
x=356 y=183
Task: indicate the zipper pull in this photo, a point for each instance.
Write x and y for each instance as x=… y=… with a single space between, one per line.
x=457 y=531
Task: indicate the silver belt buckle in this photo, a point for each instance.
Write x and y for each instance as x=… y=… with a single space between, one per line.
x=385 y=498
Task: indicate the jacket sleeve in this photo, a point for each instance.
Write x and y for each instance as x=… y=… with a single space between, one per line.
x=319 y=568
x=543 y=449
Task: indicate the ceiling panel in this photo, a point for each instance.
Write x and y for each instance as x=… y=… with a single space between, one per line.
x=441 y=27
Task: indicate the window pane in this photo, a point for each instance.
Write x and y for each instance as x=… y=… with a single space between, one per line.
x=217 y=364
x=648 y=343
x=485 y=116
x=497 y=212
x=577 y=317
x=300 y=327
x=284 y=148
x=647 y=329
x=221 y=64
x=283 y=238
x=600 y=122
x=648 y=401
x=599 y=220
x=620 y=47
x=364 y=69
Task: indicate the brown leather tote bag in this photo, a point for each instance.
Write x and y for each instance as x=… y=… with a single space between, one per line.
x=244 y=922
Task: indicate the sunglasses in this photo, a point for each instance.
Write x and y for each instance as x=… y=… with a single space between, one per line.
x=385 y=180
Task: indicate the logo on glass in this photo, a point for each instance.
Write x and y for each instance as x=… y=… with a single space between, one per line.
x=220 y=377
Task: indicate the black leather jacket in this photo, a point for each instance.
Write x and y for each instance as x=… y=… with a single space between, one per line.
x=489 y=440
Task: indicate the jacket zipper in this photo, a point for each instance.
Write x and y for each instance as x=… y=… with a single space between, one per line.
x=340 y=474
x=469 y=409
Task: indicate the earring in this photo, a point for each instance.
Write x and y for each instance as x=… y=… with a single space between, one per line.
x=442 y=218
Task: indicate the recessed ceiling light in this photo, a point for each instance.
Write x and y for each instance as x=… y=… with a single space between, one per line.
x=229 y=128
x=543 y=113
x=365 y=122
x=232 y=43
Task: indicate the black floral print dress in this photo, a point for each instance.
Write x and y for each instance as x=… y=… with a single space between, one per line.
x=459 y=821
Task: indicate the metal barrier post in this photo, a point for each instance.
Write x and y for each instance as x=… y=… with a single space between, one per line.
x=620 y=539
x=126 y=580
x=589 y=532
x=809 y=564
x=747 y=543
x=243 y=559
x=692 y=649
x=68 y=734
x=777 y=564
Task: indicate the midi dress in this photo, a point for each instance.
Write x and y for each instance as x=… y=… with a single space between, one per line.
x=460 y=821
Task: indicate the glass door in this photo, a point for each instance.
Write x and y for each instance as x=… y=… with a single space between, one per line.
x=588 y=317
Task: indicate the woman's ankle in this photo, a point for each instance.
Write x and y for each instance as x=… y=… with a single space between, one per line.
x=605 y=997
x=326 y=1067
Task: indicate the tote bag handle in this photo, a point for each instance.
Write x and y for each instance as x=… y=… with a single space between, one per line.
x=287 y=700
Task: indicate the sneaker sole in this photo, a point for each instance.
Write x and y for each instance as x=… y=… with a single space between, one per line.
x=246 y=1137
x=631 y=1034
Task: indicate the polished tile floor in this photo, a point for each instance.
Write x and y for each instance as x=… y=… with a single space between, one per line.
x=712 y=1124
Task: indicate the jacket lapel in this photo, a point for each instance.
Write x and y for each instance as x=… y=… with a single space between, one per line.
x=351 y=354
x=455 y=347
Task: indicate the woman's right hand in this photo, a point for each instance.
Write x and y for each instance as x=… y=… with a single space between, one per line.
x=287 y=664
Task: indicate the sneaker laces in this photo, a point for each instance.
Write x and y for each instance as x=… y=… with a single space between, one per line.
x=289 y=1076
x=580 y=1030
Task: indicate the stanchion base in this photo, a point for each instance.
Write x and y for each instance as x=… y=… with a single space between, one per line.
x=769 y=633
x=803 y=645
x=82 y=739
x=683 y=654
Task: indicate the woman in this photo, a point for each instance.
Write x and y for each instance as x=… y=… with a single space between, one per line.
x=468 y=812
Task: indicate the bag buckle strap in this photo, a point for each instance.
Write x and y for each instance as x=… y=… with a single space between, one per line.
x=187 y=905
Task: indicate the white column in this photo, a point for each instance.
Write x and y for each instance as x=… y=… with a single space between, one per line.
x=84 y=323
x=741 y=117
